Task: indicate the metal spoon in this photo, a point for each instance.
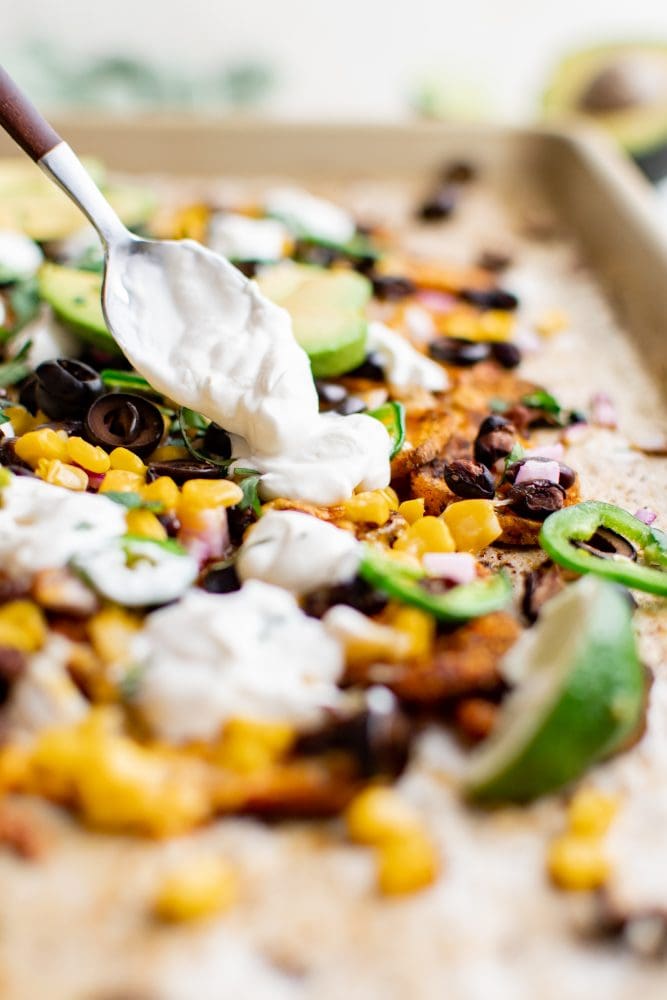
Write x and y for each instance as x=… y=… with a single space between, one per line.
x=183 y=265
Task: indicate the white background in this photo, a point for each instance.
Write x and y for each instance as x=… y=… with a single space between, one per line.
x=345 y=58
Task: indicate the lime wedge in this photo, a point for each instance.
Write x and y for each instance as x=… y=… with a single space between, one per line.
x=581 y=695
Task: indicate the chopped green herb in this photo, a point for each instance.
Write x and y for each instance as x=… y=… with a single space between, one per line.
x=24 y=303
x=498 y=405
x=15 y=370
x=249 y=483
x=132 y=501
x=542 y=400
x=515 y=455
x=114 y=379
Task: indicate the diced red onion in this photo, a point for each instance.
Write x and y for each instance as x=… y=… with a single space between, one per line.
x=646 y=515
x=527 y=340
x=430 y=298
x=532 y=470
x=459 y=567
x=603 y=411
x=419 y=323
x=575 y=432
x=549 y=451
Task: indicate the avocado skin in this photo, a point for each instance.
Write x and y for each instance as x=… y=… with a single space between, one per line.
x=640 y=130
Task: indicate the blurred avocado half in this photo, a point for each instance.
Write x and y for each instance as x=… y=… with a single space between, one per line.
x=623 y=89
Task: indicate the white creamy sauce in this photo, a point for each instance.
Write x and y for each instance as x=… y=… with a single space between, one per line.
x=205 y=336
x=250 y=654
x=48 y=339
x=20 y=257
x=298 y=552
x=44 y=526
x=45 y=697
x=240 y=237
x=401 y=363
x=305 y=214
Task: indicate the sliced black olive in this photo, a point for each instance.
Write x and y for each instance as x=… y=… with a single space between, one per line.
x=356 y=594
x=607 y=544
x=378 y=735
x=217 y=441
x=495 y=439
x=27 y=394
x=182 y=469
x=238 y=522
x=391 y=287
x=459 y=351
x=125 y=420
x=221 y=580
x=507 y=355
x=490 y=298
x=65 y=388
x=470 y=480
x=537 y=499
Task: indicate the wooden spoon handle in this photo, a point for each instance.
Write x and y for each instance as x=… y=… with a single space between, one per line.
x=22 y=120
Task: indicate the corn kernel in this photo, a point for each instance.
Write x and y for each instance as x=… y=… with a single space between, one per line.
x=121 y=481
x=577 y=863
x=371 y=507
x=428 y=534
x=551 y=322
x=248 y=745
x=591 y=812
x=391 y=496
x=200 y=494
x=123 y=458
x=58 y=473
x=364 y=640
x=22 y=626
x=496 y=325
x=145 y=524
x=199 y=888
x=412 y=510
x=162 y=490
x=418 y=626
x=169 y=453
x=111 y=633
x=407 y=864
x=378 y=815
x=190 y=222
x=43 y=443
x=473 y=524
x=21 y=419
x=90 y=457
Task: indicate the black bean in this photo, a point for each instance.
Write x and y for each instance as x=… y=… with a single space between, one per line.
x=506 y=354
x=459 y=172
x=8 y=456
x=182 y=469
x=356 y=594
x=540 y=586
x=537 y=499
x=238 y=522
x=459 y=351
x=495 y=439
x=221 y=580
x=371 y=368
x=491 y=298
x=123 y=419
x=439 y=205
x=217 y=441
x=469 y=480
x=390 y=287
x=378 y=735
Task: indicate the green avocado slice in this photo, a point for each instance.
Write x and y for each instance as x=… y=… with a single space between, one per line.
x=76 y=299
x=621 y=88
x=327 y=310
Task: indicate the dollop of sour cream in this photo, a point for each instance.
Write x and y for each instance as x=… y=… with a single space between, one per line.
x=44 y=526
x=401 y=363
x=205 y=336
x=251 y=654
x=240 y=237
x=298 y=552
x=20 y=257
x=305 y=214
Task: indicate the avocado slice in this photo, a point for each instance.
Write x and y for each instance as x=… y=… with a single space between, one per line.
x=327 y=310
x=623 y=89
x=76 y=298
x=33 y=205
